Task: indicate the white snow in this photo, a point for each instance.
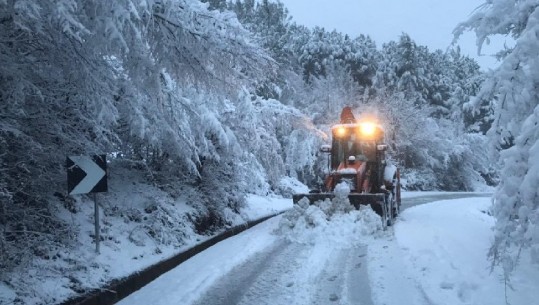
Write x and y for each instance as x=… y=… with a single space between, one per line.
x=449 y=260
x=260 y=206
x=439 y=253
x=288 y=186
x=345 y=171
x=6 y=293
x=415 y=194
x=435 y=254
x=188 y=281
x=126 y=247
x=331 y=221
x=389 y=172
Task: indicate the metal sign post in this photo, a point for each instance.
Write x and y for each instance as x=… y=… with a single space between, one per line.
x=88 y=175
x=96 y=220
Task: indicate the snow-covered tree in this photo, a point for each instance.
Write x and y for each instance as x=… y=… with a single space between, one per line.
x=322 y=49
x=420 y=96
x=269 y=131
x=125 y=77
x=512 y=89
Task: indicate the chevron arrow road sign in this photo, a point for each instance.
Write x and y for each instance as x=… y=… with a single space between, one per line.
x=86 y=174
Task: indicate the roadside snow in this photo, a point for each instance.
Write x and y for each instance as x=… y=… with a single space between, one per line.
x=186 y=283
x=439 y=252
x=288 y=186
x=415 y=194
x=260 y=206
x=6 y=293
x=128 y=213
x=435 y=254
x=314 y=231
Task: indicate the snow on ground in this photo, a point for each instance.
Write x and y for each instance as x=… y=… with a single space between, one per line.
x=288 y=186
x=261 y=206
x=435 y=254
x=415 y=194
x=331 y=221
x=322 y=228
x=7 y=294
x=188 y=281
x=129 y=211
x=439 y=252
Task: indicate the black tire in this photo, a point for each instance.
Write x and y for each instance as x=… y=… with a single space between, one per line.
x=387 y=212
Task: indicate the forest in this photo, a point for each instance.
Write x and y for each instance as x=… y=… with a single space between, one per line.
x=212 y=100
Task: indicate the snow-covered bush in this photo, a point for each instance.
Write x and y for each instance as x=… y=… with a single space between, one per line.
x=217 y=193
x=418 y=179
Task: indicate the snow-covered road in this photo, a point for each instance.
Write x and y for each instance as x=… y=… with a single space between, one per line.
x=291 y=273
x=411 y=199
x=436 y=254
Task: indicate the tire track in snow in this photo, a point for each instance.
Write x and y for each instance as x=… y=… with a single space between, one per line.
x=359 y=287
x=330 y=284
x=292 y=273
x=260 y=280
x=345 y=280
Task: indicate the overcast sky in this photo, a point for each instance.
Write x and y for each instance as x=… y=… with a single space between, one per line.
x=428 y=22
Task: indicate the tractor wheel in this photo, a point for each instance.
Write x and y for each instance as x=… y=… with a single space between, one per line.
x=396 y=210
x=391 y=209
x=387 y=212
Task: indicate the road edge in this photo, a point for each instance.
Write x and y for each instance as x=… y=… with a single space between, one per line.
x=118 y=289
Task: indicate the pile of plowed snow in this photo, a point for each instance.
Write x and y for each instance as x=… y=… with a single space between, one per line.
x=330 y=221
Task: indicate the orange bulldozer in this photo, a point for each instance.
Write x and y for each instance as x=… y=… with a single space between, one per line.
x=356 y=157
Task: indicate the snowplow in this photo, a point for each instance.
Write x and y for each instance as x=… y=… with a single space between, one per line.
x=357 y=157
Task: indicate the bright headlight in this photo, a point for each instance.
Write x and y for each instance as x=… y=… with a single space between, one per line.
x=340 y=132
x=367 y=128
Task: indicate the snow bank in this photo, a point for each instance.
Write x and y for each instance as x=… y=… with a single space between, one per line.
x=188 y=281
x=261 y=206
x=288 y=186
x=140 y=226
x=331 y=221
x=437 y=255
x=444 y=247
x=415 y=194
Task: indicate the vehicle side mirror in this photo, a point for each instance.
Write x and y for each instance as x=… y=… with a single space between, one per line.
x=381 y=147
x=325 y=148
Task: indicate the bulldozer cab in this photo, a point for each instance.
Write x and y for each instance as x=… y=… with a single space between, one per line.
x=360 y=140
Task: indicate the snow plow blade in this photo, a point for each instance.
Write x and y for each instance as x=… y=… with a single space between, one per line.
x=374 y=200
